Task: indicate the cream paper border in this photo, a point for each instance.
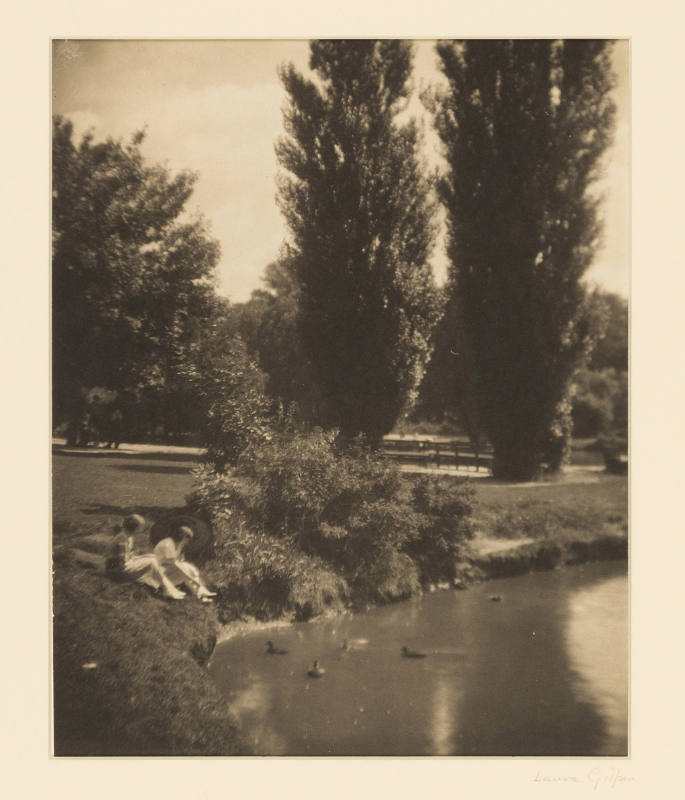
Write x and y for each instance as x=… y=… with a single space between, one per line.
x=652 y=769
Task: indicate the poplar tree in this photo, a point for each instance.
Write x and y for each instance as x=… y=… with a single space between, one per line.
x=524 y=125
x=360 y=212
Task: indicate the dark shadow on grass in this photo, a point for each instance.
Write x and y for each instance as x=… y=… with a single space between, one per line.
x=149 y=512
x=160 y=469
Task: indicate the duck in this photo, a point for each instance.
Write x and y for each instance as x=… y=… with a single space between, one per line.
x=315 y=671
x=407 y=653
x=274 y=651
x=496 y=598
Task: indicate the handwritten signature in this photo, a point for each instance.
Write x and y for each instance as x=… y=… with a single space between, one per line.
x=597 y=778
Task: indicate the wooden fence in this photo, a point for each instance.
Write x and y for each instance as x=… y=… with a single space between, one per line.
x=429 y=453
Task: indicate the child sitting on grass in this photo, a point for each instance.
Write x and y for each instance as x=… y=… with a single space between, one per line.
x=123 y=564
x=169 y=553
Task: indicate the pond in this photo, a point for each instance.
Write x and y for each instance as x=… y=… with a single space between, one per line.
x=541 y=671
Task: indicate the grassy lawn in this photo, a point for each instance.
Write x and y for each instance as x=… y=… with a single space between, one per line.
x=93 y=491
x=579 y=509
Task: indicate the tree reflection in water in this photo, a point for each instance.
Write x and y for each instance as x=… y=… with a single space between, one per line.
x=541 y=673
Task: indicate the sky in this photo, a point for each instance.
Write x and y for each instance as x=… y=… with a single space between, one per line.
x=215 y=107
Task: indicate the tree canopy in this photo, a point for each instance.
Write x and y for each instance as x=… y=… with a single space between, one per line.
x=132 y=270
x=268 y=324
x=360 y=213
x=524 y=125
x=228 y=389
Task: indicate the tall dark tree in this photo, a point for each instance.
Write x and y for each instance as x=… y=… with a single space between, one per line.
x=132 y=273
x=360 y=212
x=524 y=125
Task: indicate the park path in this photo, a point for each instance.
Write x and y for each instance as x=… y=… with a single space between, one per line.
x=571 y=474
x=131 y=449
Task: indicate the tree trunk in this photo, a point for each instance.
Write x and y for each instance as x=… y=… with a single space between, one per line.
x=515 y=459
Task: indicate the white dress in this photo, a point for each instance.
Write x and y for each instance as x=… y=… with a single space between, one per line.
x=177 y=570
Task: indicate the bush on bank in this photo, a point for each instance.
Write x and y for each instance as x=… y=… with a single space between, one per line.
x=447 y=512
x=304 y=527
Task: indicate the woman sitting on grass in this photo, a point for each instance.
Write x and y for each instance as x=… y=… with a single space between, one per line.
x=169 y=553
x=123 y=564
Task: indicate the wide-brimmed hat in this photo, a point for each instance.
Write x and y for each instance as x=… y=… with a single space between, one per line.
x=200 y=546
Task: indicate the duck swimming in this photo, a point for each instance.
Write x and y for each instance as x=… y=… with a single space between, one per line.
x=407 y=653
x=274 y=651
x=315 y=671
x=496 y=598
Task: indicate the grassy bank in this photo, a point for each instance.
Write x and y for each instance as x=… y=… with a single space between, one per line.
x=129 y=670
x=148 y=692
x=145 y=690
x=520 y=528
x=580 y=502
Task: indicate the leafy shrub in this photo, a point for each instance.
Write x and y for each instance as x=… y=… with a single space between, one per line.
x=446 y=507
x=265 y=576
x=599 y=402
x=258 y=573
x=294 y=507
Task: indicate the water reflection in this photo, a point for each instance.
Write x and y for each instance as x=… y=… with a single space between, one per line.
x=520 y=698
x=597 y=644
x=251 y=706
x=444 y=716
x=541 y=673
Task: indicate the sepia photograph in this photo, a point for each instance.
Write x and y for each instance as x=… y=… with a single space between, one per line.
x=339 y=420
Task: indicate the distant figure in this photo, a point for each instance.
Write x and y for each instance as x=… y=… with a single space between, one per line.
x=84 y=430
x=96 y=422
x=407 y=653
x=274 y=651
x=169 y=553
x=115 y=423
x=123 y=564
x=315 y=671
